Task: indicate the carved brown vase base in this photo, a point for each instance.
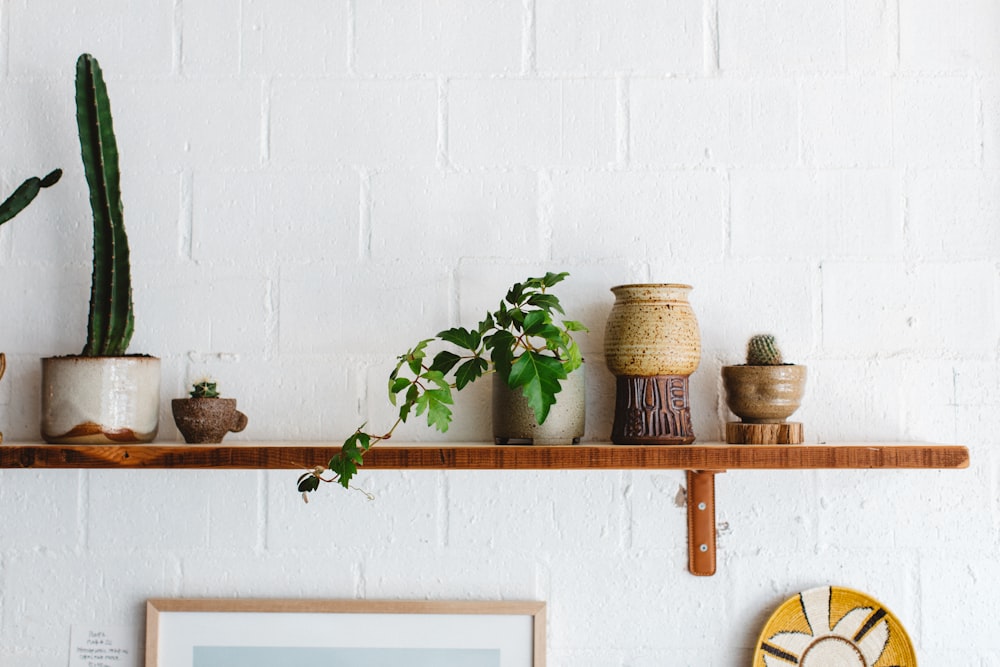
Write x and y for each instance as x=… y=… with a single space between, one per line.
x=652 y=411
x=783 y=433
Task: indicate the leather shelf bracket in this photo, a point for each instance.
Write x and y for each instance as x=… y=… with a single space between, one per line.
x=701 y=521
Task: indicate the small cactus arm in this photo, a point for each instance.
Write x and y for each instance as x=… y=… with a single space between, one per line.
x=26 y=193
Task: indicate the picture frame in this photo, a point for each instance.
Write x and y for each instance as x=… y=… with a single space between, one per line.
x=200 y=632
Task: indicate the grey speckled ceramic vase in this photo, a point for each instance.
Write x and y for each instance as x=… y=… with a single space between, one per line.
x=652 y=344
x=514 y=421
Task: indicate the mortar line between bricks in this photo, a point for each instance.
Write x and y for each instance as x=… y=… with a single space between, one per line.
x=263 y=499
x=623 y=118
x=710 y=25
x=272 y=320
x=980 y=121
x=4 y=41
x=185 y=223
x=454 y=298
x=352 y=38
x=444 y=510
x=240 y=39
x=543 y=213
x=442 y=157
x=177 y=39
x=83 y=509
x=265 y=122
x=364 y=215
x=529 y=40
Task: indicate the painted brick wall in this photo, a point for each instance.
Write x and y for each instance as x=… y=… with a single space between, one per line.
x=311 y=187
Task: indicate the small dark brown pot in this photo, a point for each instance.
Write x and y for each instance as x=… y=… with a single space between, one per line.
x=203 y=420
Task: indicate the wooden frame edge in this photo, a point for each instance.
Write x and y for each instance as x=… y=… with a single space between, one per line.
x=534 y=608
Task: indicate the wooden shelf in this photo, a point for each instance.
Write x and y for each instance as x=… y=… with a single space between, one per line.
x=484 y=456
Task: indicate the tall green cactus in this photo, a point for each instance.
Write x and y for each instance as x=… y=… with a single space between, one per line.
x=111 y=322
x=25 y=193
x=763 y=351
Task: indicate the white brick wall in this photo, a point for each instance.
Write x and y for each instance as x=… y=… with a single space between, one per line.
x=311 y=189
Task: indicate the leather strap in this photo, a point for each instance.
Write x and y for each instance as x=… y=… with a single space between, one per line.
x=701 y=522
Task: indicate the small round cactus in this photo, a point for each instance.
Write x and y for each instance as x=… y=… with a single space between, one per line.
x=204 y=389
x=763 y=351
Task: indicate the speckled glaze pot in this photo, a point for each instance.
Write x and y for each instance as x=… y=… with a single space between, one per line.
x=652 y=344
x=764 y=394
x=514 y=421
x=202 y=420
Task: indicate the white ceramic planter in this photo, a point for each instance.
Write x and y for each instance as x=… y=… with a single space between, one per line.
x=514 y=421
x=100 y=399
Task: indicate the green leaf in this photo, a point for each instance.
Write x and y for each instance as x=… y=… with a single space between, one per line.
x=501 y=345
x=412 y=394
x=469 y=372
x=359 y=441
x=414 y=358
x=548 y=302
x=343 y=467
x=352 y=453
x=444 y=361
x=461 y=337
x=549 y=332
x=534 y=285
x=534 y=321
x=538 y=376
x=435 y=402
x=486 y=324
x=501 y=316
x=515 y=293
x=397 y=385
x=436 y=377
x=573 y=325
x=551 y=279
x=574 y=357
x=308 y=482
x=516 y=316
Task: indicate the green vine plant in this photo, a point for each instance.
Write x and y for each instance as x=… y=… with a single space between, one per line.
x=525 y=341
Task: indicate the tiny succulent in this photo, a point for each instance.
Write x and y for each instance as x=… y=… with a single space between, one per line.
x=763 y=351
x=522 y=341
x=26 y=193
x=204 y=389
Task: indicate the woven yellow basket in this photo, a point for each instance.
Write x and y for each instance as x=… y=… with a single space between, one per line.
x=833 y=627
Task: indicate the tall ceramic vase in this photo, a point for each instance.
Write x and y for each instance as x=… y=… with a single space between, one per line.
x=652 y=345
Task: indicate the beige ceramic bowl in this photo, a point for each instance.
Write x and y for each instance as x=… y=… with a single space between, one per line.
x=764 y=394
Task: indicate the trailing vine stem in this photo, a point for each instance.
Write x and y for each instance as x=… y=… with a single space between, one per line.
x=522 y=341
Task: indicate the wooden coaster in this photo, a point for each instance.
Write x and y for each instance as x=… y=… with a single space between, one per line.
x=785 y=433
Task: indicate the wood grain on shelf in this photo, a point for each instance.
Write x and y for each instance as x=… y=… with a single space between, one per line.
x=485 y=456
